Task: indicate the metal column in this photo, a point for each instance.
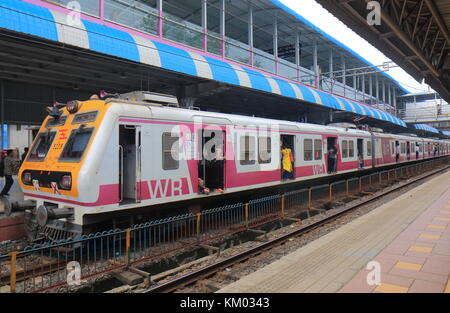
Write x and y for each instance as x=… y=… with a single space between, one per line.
x=275 y=43
x=315 y=64
x=331 y=69
x=222 y=28
x=205 y=24
x=250 y=32
x=159 y=7
x=297 y=54
x=2 y=112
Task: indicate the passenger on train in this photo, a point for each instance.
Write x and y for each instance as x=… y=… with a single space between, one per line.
x=360 y=160
x=332 y=159
x=287 y=160
x=417 y=150
x=12 y=164
x=217 y=167
x=397 y=151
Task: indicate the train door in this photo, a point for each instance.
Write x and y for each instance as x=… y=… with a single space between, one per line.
x=129 y=163
x=288 y=142
x=408 y=150
x=360 y=149
x=211 y=165
x=332 y=155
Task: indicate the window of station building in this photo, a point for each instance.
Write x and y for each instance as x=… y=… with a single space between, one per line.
x=41 y=146
x=170 y=160
x=236 y=31
x=247 y=149
x=264 y=150
x=76 y=144
x=141 y=15
x=351 y=148
x=213 y=28
x=345 y=148
x=369 y=148
x=308 y=149
x=318 y=149
x=182 y=22
x=91 y=7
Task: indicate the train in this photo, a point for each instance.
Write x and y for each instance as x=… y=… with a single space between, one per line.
x=120 y=156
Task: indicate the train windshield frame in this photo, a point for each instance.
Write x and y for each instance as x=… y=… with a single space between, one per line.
x=42 y=146
x=76 y=145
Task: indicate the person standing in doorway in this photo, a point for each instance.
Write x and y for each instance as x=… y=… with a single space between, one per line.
x=24 y=154
x=287 y=159
x=12 y=164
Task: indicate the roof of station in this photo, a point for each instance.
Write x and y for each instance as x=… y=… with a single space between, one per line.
x=426 y=128
x=110 y=39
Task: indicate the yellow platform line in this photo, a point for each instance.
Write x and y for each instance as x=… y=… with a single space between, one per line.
x=408 y=266
x=389 y=288
x=444 y=219
x=436 y=226
x=428 y=236
x=421 y=249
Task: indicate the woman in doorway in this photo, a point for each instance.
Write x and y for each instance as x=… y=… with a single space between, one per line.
x=287 y=159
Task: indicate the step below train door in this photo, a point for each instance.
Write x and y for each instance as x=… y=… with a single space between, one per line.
x=129 y=164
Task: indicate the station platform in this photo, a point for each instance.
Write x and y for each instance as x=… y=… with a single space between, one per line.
x=409 y=237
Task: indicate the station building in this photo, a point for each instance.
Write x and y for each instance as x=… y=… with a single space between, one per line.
x=235 y=56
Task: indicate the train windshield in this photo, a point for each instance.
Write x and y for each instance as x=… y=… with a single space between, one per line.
x=42 y=146
x=76 y=145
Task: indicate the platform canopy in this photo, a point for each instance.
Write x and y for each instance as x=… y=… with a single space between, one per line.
x=426 y=128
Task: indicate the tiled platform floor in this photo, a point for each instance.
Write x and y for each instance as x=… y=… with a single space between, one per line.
x=409 y=237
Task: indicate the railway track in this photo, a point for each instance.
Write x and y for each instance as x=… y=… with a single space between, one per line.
x=212 y=269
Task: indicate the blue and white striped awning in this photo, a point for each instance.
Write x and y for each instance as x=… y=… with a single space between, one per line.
x=116 y=40
x=426 y=128
x=446 y=133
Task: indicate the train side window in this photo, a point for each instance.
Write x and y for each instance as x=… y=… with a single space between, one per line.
x=41 y=146
x=369 y=148
x=76 y=144
x=403 y=148
x=169 y=149
x=318 y=149
x=247 y=150
x=344 y=148
x=351 y=148
x=308 y=149
x=392 y=148
x=264 y=150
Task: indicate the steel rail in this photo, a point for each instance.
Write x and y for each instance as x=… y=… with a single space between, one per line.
x=209 y=270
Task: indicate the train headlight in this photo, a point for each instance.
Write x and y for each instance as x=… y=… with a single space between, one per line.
x=73 y=106
x=66 y=182
x=26 y=178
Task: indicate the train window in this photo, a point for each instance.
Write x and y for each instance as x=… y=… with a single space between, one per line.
x=169 y=150
x=76 y=144
x=53 y=122
x=369 y=148
x=85 y=117
x=247 y=150
x=344 y=148
x=308 y=149
x=318 y=149
x=265 y=150
x=403 y=148
x=41 y=146
x=351 y=148
x=420 y=147
x=393 y=148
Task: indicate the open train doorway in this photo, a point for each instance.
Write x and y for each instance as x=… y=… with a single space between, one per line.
x=129 y=163
x=360 y=150
x=332 y=154
x=287 y=143
x=211 y=165
x=408 y=150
